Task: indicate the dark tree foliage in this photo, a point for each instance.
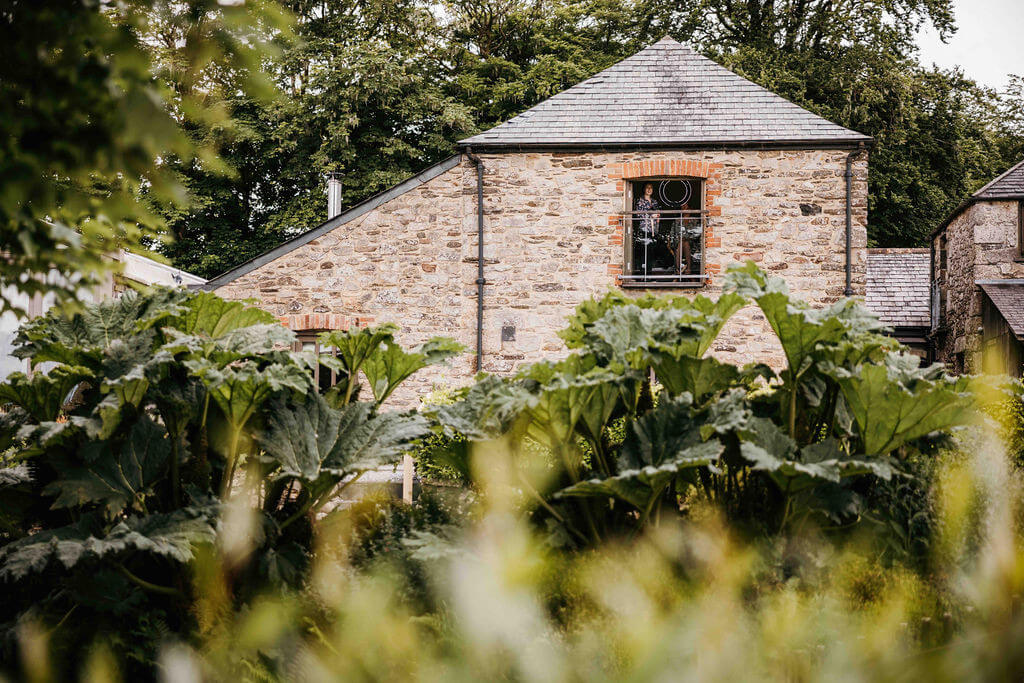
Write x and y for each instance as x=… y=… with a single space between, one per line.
x=377 y=91
x=86 y=126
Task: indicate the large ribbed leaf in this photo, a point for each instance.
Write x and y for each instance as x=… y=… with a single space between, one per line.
x=894 y=405
x=74 y=339
x=626 y=334
x=697 y=377
x=390 y=365
x=366 y=441
x=309 y=439
x=712 y=316
x=299 y=437
x=172 y=536
x=770 y=450
x=240 y=389
x=489 y=409
x=641 y=487
x=121 y=476
x=44 y=394
x=798 y=327
x=207 y=315
x=355 y=346
x=660 y=435
x=268 y=341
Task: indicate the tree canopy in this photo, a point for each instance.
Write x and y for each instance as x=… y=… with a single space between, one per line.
x=376 y=91
x=87 y=127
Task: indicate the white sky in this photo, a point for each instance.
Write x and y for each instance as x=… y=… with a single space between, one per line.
x=989 y=44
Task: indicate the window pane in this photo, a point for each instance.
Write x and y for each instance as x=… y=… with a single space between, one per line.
x=666 y=230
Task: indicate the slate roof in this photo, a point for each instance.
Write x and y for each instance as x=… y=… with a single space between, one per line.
x=1008 y=297
x=666 y=94
x=897 y=286
x=1010 y=185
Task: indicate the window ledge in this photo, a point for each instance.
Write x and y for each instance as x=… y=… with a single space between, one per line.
x=662 y=285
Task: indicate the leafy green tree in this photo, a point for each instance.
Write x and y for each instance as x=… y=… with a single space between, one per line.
x=362 y=96
x=86 y=126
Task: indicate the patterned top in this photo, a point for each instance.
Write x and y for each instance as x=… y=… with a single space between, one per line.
x=647 y=221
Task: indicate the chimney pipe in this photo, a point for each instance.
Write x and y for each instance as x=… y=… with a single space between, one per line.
x=333 y=195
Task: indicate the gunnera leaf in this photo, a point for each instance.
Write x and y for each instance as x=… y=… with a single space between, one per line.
x=641 y=487
x=390 y=365
x=310 y=439
x=660 y=435
x=172 y=536
x=121 y=476
x=299 y=437
x=488 y=409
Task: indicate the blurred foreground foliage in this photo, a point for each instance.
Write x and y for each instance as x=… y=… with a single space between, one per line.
x=173 y=487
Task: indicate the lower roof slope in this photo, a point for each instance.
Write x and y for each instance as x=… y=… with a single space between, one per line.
x=1008 y=297
x=898 y=286
x=665 y=94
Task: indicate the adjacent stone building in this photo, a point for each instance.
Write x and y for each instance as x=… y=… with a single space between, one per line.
x=654 y=174
x=898 y=292
x=977 y=258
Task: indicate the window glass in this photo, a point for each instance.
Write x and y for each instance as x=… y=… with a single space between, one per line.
x=324 y=377
x=665 y=232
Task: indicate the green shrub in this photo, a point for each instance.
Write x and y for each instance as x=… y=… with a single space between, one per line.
x=381 y=526
x=442 y=455
x=772 y=449
x=192 y=432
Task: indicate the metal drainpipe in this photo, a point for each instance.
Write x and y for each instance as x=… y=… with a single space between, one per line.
x=932 y=323
x=849 y=219
x=480 y=281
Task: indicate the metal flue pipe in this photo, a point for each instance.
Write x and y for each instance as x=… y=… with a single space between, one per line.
x=480 y=281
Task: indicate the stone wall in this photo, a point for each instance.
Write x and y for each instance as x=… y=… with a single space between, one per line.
x=981 y=244
x=553 y=238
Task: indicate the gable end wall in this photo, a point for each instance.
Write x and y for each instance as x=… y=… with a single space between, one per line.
x=981 y=245
x=552 y=240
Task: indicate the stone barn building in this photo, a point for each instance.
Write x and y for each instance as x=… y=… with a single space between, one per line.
x=977 y=296
x=653 y=175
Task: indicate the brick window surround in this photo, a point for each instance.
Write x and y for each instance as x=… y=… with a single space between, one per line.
x=709 y=173
x=323 y=321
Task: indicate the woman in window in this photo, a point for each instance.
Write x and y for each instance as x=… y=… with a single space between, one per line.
x=645 y=208
x=648 y=205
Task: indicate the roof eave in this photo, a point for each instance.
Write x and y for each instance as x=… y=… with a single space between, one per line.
x=696 y=145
